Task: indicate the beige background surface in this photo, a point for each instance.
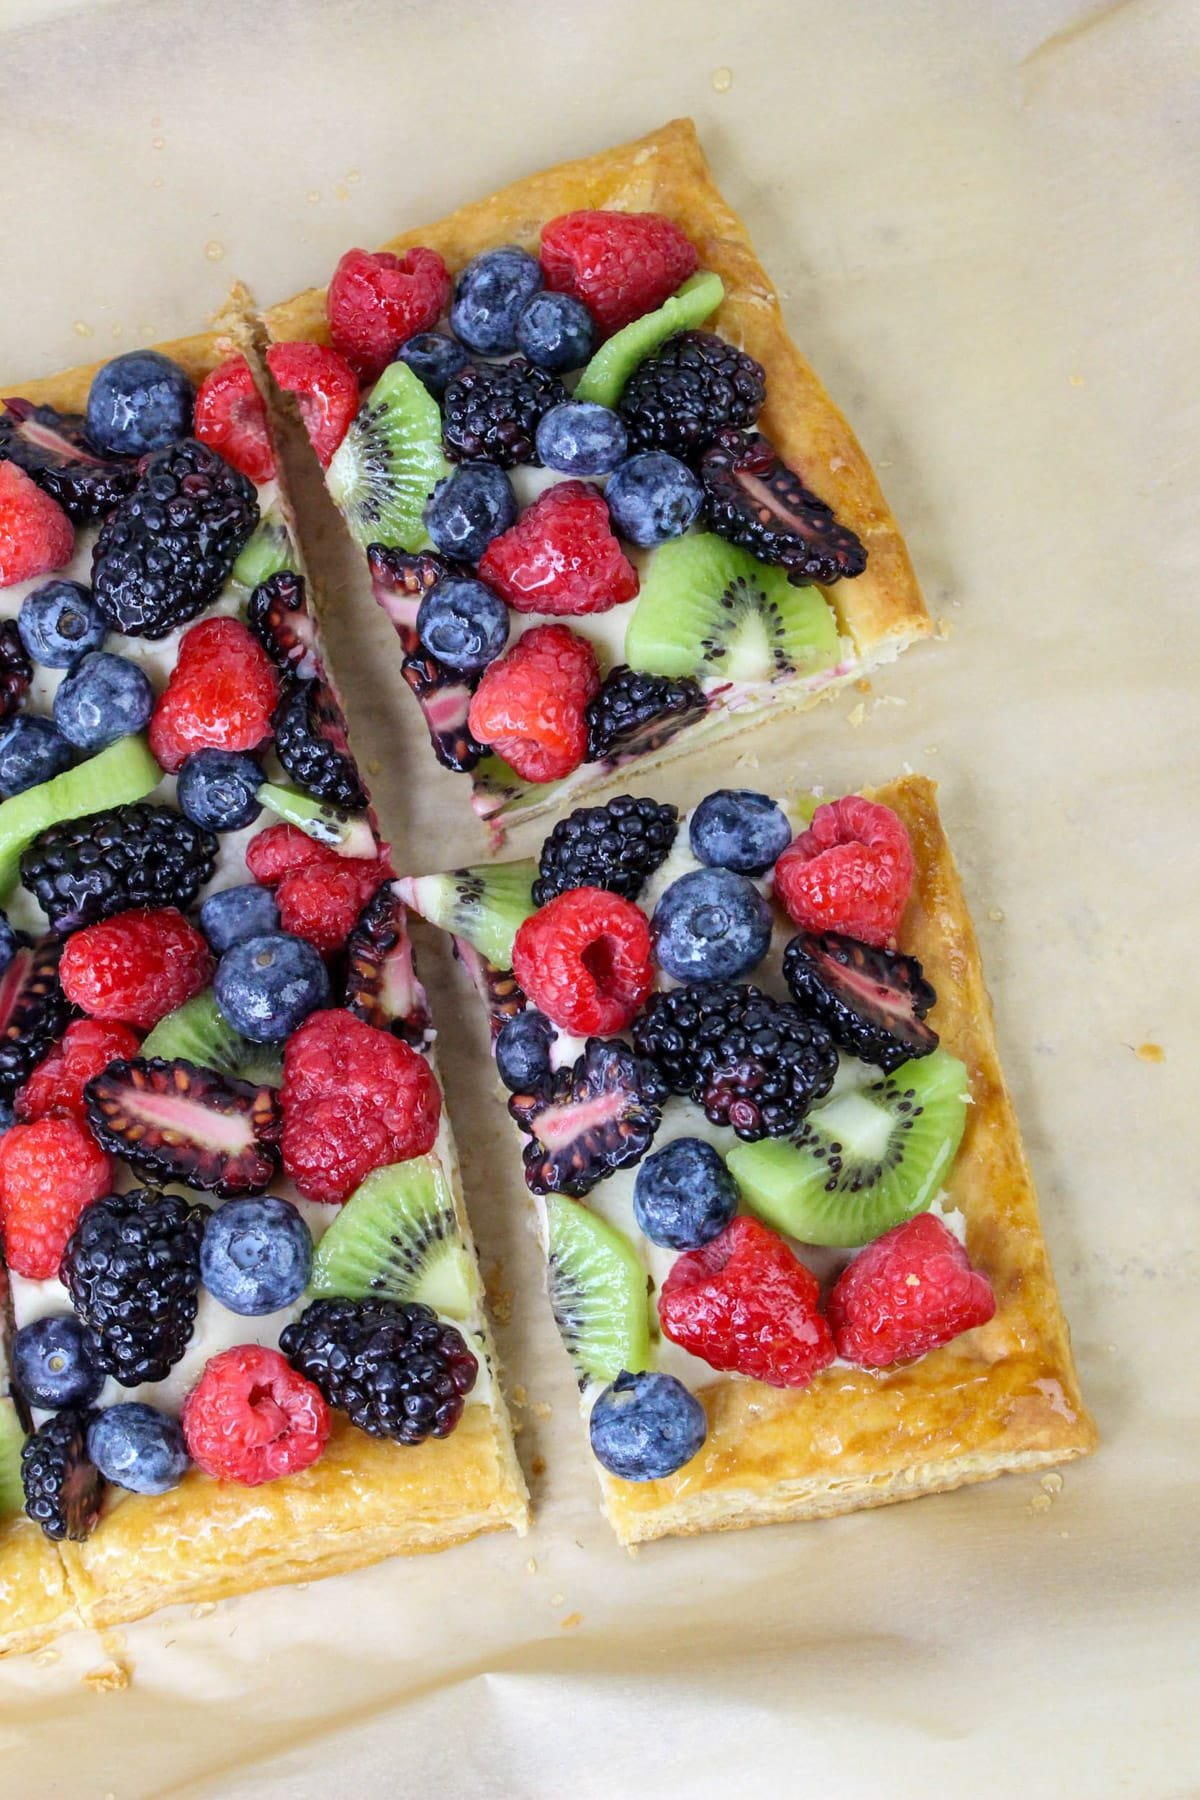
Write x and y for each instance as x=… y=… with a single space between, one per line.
x=983 y=218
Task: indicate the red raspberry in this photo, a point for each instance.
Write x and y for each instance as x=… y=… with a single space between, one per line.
x=906 y=1293
x=584 y=960
x=221 y=694
x=746 y=1303
x=620 y=265
x=136 y=967
x=529 y=706
x=251 y=1417
x=376 y=303
x=561 y=556
x=851 y=871
x=49 y=1172
x=56 y=1085
x=326 y=390
x=231 y=418
x=354 y=1098
x=282 y=850
x=322 y=902
x=36 y=535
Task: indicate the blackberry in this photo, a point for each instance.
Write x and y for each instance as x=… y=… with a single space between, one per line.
x=167 y=550
x=308 y=726
x=617 y=847
x=132 y=1270
x=33 y=1011
x=277 y=613
x=393 y=1367
x=752 y=1063
x=492 y=410
x=590 y=1141
x=872 y=1002
x=63 y=1487
x=53 y=449
x=755 y=500
x=16 y=670
x=87 y=869
x=634 y=713
x=444 y=697
x=680 y=397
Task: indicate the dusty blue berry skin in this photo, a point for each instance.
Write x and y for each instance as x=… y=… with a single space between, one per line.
x=54 y=1362
x=236 y=913
x=523 y=1051
x=256 y=1255
x=265 y=987
x=138 y=402
x=59 y=622
x=434 y=359
x=684 y=1196
x=711 y=925
x=8 y=1117
x=581 y=438
x=8 y=942
x=103 y=698
x=139 y=1448
x=490 y=296
x=463 y=623
x=644 y=1427
x=735 y=828
x=653 y=497
x=556 y=332
x=469 y=508
x=217 y=789
x=32 y=750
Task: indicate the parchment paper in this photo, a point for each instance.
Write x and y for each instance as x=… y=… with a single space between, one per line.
x=983 y=218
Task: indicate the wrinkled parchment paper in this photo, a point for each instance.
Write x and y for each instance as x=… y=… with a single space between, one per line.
x=983 y=220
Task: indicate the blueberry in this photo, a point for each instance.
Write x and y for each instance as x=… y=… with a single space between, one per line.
x=266 y=986
x=217 y=789
x=653 y=497
x=138 y=1448
x=256 y=1255
x=434 y=359
x=54 y=1362
x=8 y=1117
x=711 y=925
x=463 y=623
x=490 y=296
x=581 y=438
x=735 y=828
x=644 y=1427
x=31 y=751
x=138 y=402
x=60 y=622
x=8 y=942
x=103 y=698
x=555 y=331
x=469 y=508
x=523 y=1051
x=236 y=913
x=684 y=1196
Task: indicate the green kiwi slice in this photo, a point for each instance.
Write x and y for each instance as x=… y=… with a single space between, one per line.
x=12 y=1441
x=122 y=773
x=349 y=834
x=268 y=551
x=389 y=462
x=867 y=1160
x=197 y=1033
x=598 y=1289
x=484 y=905
x=398 y=1238
x=714 y=611
x=605 y=376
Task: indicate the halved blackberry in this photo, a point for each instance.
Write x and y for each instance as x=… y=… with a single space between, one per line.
x=33 y=1011
x=175 y=1121
x=382 y=988
x=87 y=869
x=872 y=1002
x=168 y=549
x=310 y=743
x=496 y=987
x=679 y=397
x=617 y=846
x=754 y=499
x=392 y=1366
x=53 y=449
x=16 y=670
x=132 y=1270
x=278 y=616
x=64 y=1490
x=598 y=1115
x=492 y=410
x=444 y=696
x=400 y=580
x=635 y=713
x=753 y=1063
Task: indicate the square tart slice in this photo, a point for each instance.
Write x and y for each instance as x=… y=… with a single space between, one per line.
x=365 y=1497
x=726 y=635
x=998 y=1397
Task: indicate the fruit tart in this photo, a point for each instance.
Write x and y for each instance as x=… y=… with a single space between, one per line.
x=792 y=1245
x=604 y=500
x=244 y=1331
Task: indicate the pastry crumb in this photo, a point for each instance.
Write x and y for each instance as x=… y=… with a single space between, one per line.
x=941 y=630
x=995 y=914
x=531 y=1565
x=722 y=80
x=538 y=1466
x=557 y=1599
x=541 y=1409
x=1053 y=1482
x=81 y=328
x=858 y=715
x=203 y=1608
x=1076 y=380
x=519 y=1396
x=158 y=143
x=571 y=1621
x=862 y=685
x=1040 y=1503
x=930 y=750
x=1151 y=1053
x=747 y=760
x=499 y=1297
x=43 y=1659
x=214 y=250
x=373 y=765
x=109 y=1678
